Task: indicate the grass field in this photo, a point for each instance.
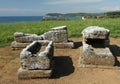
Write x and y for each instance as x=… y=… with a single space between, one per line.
x=74 y=28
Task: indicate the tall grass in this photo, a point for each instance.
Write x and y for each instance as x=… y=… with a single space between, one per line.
x=75 y=28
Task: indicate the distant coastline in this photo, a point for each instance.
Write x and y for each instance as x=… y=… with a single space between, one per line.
x=58 y=16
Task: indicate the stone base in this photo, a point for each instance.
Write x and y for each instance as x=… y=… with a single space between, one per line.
x=99 y=57
x=24 y=74
x=98 y=66
x=64 y=45
x=16 y=45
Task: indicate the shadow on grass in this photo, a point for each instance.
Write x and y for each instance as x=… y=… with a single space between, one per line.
x=63 y=66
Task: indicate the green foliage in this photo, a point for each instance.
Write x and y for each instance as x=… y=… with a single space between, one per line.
x=53 y=14
x=75 y=14
x=111 y=14
x=114 y=14
x=75 y=28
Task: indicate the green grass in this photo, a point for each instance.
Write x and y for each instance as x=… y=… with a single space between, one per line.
x=74 y=28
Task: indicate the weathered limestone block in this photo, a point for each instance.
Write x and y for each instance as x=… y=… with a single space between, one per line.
x=32 y=58
x=60 y=36
x=24 y=74
x=95 y=47
x=97 y=56
x=59 y=28
x=95 y=32
x=26 y=38
x=18 y=34
x=57 y=34
x=64 y=45
x=36 y=60
x=17 y=45
x=48 y=35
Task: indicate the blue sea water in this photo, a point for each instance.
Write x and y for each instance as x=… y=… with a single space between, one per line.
x=12 y=19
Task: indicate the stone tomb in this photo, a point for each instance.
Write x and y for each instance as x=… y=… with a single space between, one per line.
x=58 y=35
x=36 y=60
x=95 y=49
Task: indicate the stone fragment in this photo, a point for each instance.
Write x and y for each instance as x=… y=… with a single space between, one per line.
x=26 y=38
x=18 y=34
x=15 y=44
x=59 y=28
x=95 y=32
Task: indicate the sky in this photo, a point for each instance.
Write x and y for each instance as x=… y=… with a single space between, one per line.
x=42 y=7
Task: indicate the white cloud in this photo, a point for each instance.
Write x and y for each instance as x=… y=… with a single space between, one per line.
x=108 y=8
x=70 y=1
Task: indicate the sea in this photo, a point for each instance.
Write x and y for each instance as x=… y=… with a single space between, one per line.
x=13 y=19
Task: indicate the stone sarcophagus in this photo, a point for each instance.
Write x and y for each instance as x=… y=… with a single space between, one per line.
x=95 y=49
x=36 y=60
x=58 y=35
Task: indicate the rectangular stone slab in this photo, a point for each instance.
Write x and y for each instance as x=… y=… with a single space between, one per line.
x=95 y=32
x=26 y=38
x=17 y=45
x=22 y=73
x=98 y=56
x=64 y=45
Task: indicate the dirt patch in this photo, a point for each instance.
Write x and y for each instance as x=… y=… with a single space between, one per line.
x=66 y=69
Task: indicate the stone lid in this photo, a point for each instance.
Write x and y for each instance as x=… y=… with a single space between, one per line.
x=59 y=28
x=95 y=32
x=18 y=34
